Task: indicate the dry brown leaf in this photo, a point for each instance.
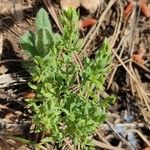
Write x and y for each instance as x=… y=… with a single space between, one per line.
x=138 y=58
x=90 y=5
x=128 y=10
x=69 y=3
x=86 y=22
x=29 y=95
x=144 y=8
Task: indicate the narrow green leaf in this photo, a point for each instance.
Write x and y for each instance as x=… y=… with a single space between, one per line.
x=46 y=140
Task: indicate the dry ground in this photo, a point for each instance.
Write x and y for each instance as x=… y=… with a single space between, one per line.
x=128 y=126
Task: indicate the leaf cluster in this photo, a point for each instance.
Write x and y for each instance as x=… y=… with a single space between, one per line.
x=68 y=102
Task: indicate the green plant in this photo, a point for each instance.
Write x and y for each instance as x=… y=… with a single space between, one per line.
x=68 y=102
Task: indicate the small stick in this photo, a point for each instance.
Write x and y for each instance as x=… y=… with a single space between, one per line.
x=118 y=134
x=53 y=13
x=105 y=146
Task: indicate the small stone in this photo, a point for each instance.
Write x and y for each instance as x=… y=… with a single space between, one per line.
x=90 y=5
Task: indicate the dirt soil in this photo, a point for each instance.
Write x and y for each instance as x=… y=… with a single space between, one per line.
x=126 y=26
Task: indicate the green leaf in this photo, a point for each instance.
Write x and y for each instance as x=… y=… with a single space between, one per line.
x=47 y=139
x=56 y=37
x=27 y=43
x=23 y=140
x=42 y=20
x=34 y=87
x=43 y=41
x=108 y=101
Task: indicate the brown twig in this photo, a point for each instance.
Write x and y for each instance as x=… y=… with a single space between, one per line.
x=95 y=28
x=52 y=11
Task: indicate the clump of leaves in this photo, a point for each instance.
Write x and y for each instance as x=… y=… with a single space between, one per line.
x=67 y=104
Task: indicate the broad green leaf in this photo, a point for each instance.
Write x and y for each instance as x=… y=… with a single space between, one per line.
x=43 y=41
x=27 y=43
x=42 y=20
